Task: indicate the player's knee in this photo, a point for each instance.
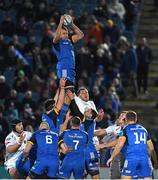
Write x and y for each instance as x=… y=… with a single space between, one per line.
x=93 y=172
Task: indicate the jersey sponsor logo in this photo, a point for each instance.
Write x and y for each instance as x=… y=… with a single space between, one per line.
x=76 y=136
x=127 y=171
x=65 y=42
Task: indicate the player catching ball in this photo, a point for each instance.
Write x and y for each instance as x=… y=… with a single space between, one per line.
x=64 y=50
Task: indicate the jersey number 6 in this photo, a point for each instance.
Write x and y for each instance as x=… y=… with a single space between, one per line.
x=48 y=139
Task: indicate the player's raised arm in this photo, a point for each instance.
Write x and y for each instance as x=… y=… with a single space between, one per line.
x=78 y=33
x=61 y=97
x=58 y=30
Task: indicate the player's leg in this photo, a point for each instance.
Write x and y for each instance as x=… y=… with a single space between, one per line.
x=126 y=177
x=116 y=167
x=37 y=169
x=92 y=164
x=10 y=166
x=13 y=173
x=33 y=175
x=79 y=168
x=145 y=168
x=69 y=74
x=53 y=168
x=130 y=169
x=66 y=168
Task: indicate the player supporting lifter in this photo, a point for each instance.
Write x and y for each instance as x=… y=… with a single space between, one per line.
x=64 y=50
x=47 y=160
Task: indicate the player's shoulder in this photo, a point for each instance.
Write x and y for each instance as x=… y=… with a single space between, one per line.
x=141 y=127
x=67 y=131
x=10 y=136
x=27 y=133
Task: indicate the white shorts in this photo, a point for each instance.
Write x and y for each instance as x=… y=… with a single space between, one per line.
x=10 y=164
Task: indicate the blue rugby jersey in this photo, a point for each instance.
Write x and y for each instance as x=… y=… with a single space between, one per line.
x=136 y=141
x=46 y=142
x=75 y=139
x=64 y=52
x=89 y=126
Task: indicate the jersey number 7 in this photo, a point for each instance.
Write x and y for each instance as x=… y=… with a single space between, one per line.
x=76 y=143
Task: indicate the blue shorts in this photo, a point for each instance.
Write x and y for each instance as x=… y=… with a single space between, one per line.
x=48 y=165
x=69 y=74
x=92 y=161
x=137 y=168
x=73 y=164
x=23 y=167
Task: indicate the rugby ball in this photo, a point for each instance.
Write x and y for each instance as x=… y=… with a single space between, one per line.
x=67 y=20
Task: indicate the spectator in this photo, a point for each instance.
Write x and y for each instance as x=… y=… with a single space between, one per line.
x=111 y=31
x=22 y=27
x=116 y=8
x=4 y=126
x=12 y=112
x=129 y=66
x=16 y=43
x=145 y=57
x=8 y=26
x=21 y=82
x=95 y=32
x=12 y=98
x=28 y=100
x=4 y=88
x=3 y=52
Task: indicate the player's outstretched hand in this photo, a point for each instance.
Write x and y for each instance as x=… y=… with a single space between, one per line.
x=109 y=162
x=100 y=115
x=62 y=82
x=21 y=139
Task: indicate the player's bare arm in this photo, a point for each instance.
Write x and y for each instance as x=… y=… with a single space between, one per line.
x=27 y=149
x=63 y=126
x=152 y=154
x=58 y=30
x=118 y=147
x=106 y=145
x=78 y=33
x=61 y=96
x=100 y=132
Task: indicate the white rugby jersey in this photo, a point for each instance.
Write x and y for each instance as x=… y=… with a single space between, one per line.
x=84 y=105
x=112 y=132
x=11 y=139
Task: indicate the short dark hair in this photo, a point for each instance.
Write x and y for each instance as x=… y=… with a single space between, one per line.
x=75 y=121
x=80 y=89
x=131 y=116
x=48 y=104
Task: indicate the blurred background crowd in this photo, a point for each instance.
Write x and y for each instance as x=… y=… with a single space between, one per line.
x=107 y=60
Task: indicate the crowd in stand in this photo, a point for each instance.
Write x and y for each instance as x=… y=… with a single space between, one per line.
x=106 y=60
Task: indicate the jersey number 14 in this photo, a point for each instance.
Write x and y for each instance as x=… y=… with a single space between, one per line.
x=141 y=137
